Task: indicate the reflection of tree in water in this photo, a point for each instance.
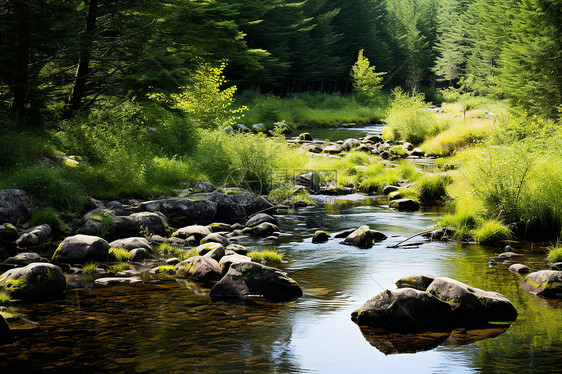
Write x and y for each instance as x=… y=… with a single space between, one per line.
x=191 y=333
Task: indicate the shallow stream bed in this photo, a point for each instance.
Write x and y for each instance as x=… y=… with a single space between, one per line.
x=165 y=327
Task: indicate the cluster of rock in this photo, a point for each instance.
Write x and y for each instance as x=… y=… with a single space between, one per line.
x=257 y=128
x=362 y=237
x=427 y=303
x=371 y=144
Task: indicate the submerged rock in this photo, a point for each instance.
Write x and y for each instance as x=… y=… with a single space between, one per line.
x=473 y=306
x=405 y=309
x=114 y=281
x=547 y=283
x=80 y=249
x=252 y=280
x=36 y=281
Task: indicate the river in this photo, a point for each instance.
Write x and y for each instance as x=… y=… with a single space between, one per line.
x=166 y=327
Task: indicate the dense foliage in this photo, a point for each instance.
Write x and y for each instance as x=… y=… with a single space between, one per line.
x=67 y=56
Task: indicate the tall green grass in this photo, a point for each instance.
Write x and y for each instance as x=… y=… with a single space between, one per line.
x=308 y=109
x=410 y=119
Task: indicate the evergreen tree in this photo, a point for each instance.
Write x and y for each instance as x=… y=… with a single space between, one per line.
x=531 y=61
x=452 y=45
x=366 y=82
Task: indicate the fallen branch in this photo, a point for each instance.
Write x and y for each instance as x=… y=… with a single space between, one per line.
x=408 y=238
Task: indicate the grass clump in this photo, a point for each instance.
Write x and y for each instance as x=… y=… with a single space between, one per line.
x=90 y=270
x=116 y=268
x=405 y=193
x=119 y=254
x=5 y=299
x=490 y=231
x=555 y=252
x=410 y=119
x=432 y=188
x=168 y=250
x=290 y=193
x=46 y=215
x=268 y=257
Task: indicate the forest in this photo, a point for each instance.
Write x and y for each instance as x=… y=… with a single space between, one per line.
x=214 y=185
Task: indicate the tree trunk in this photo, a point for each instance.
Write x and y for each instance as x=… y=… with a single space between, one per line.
x=19 y=87
x=83 y=68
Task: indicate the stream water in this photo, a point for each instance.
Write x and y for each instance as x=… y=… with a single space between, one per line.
x=166 y=327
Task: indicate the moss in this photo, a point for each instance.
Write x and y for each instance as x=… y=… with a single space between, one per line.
x=406 y=193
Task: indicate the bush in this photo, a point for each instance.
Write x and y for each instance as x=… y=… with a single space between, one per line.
x=432 y=188
x=50 y=185
x=555 y=253
x=410 y=119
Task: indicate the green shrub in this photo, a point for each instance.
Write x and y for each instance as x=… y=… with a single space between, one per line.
x=432 y=188
x=410 y=119
x=47 y=215
x=555 y=253
x=50 y=185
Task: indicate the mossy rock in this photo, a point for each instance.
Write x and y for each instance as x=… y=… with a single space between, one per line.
x=320 y=236
x=417 y=281
x=36 y=281
x=547 y=283
x=199 y=268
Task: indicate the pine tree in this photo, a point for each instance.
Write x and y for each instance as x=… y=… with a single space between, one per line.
x=366 y=82
x=531 y=61
x=452 y=44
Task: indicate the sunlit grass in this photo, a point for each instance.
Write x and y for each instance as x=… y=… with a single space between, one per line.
x=120 y=254
x=268 y=257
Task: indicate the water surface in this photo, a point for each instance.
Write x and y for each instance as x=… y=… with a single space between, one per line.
x=167 y=328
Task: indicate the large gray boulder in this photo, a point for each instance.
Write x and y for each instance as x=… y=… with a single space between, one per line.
x=263 y=229
x=154 y=223
x=182 y=211
x=252 y=280
x=351 y=143
x=309 y=180
x=251 y=203
x=547 y=283
x=15 y=206
x=36 y=281
x=405 y=309
x=473 y=307
x=228 y=209
x=197 y=231
x=226 y=261
x=131 y=243
x=260 y=218
x=80 y=249
x=35 y=236
x=199 y=268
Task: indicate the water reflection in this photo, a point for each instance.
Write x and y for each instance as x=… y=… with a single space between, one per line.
x=396 y=343
x=170 y=327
